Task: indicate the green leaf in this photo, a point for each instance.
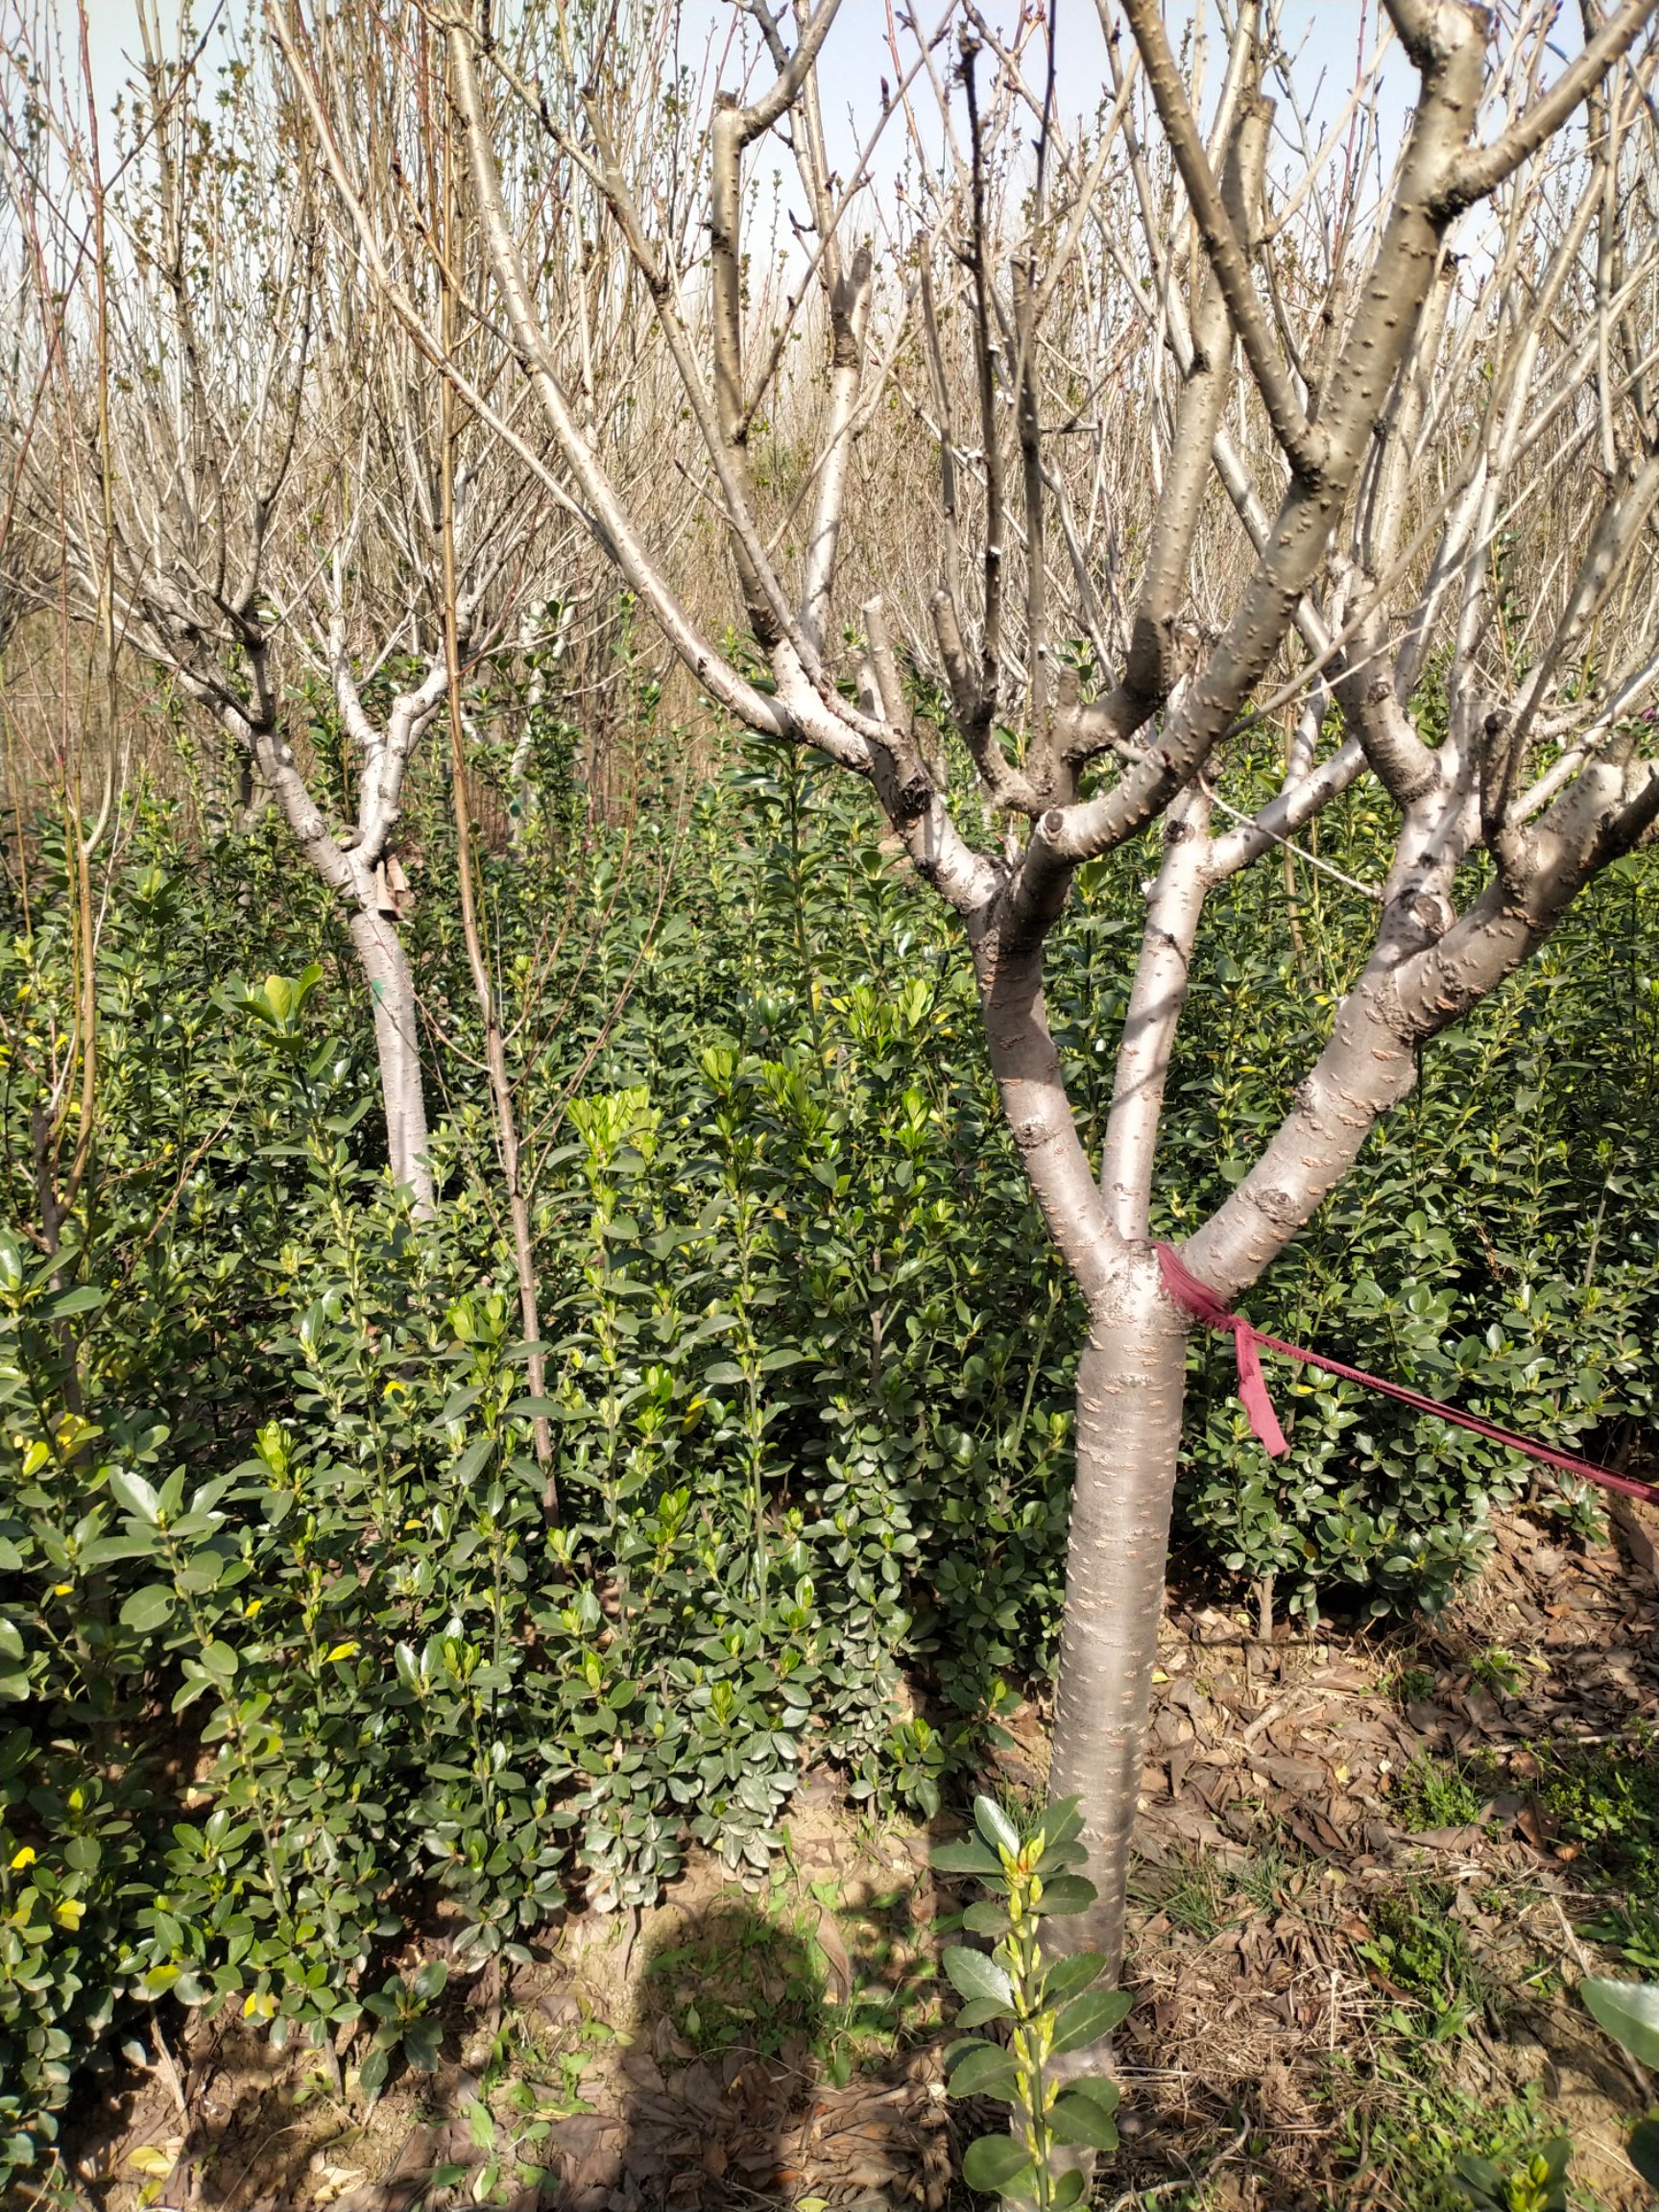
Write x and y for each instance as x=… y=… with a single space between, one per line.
x=965 y=1859
x=1066 y=1976
x=986 y=1918
x=104 y=1550
x=975 y=1975
x=420 y=2042
x=1480 y=2179
x=87 y=1299
x=963 y=2044
x=1099 y=2088
x=1062 y=1823
x=373 y=2072
x=1644 y=2150
x=982 y=2008
x=148 y=1610
x=1064 y=1894
x=1087 y=2018
x=431 y=1981
x=1556 y=2157
x=1059 y=1856
x=988 y=2072
x=1067 y=2191
x=133 y=1493
x=1630 y=2011
x=994 y=1825
x=473 y=1459
x=1078 y=2119
x=996 y=2165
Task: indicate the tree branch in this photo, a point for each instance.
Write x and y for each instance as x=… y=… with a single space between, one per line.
x=1303 y=446
x=1482 y=169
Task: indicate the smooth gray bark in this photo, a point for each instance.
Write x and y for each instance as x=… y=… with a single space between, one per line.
x=1130 y=1385
x=386 y=970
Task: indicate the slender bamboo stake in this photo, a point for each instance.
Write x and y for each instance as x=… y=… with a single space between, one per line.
x=495 y=1045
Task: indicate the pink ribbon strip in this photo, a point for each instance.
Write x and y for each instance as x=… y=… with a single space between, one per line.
x=1200 y=1301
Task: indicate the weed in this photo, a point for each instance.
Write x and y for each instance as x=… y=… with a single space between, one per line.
x=1047 y=2010
x=1416 y=2143
x=1413 y=1684
x=1421 y=1953
x=1605 y=1798
x=405 y=2023
x=1632 y=1932
x=1440 y=1793
x=1537 y=2184
x=1498 y=1670
x=739 y=1978
x=892 y=2004
x=1266 y=1876
x=1188 y=1894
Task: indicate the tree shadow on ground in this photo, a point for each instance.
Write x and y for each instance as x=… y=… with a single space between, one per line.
x=770 y=2064
x=732 y=2003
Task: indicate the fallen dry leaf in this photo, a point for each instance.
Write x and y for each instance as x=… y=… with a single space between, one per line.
x=156 y=2159
x=827 y=1936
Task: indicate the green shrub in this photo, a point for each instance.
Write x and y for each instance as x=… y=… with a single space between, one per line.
x=284 y=1632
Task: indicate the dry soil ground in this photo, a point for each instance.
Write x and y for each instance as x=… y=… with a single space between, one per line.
x=1373 y=1868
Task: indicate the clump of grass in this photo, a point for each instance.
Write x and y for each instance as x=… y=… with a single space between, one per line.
x=893 y=2001
x=1630 y=1930
x=1441 y=1792
x=1605 y=1799
x=1412 y=2143
x=1189 y=1893
x=1421 y=1948
x=1267 y=1876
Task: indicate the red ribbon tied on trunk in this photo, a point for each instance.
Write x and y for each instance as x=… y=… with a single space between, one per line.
x=1200 y=1303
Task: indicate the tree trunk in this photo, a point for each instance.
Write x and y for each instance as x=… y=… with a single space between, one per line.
x=1130 y=1383
x=398 y=1042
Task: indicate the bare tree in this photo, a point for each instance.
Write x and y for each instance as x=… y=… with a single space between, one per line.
x=1278 y=438
x=284 y=512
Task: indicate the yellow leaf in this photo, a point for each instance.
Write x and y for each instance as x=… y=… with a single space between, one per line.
x=153 y=2158
x=61 y=1589
x=69 y=1914
x=258 y=2005
x=36 y=1457
x=251 y=1607
x=342 y=1651
x=23 y=1857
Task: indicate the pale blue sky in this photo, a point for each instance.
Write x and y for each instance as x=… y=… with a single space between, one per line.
x=1323 y=34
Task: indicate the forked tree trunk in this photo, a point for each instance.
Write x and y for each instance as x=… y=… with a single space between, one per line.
x=350 y=866
x=390 y=984
x=1130 y=1383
